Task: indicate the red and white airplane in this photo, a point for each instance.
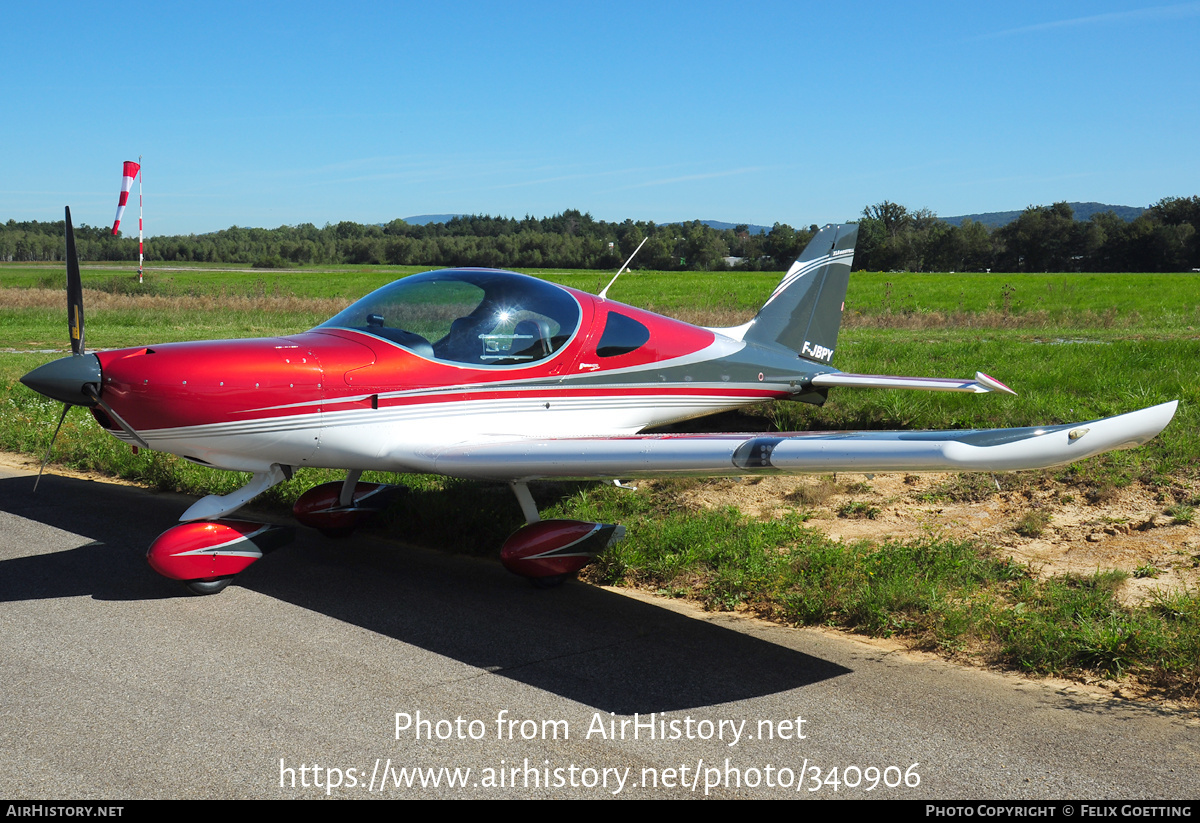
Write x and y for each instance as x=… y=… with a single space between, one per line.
x=489 y=374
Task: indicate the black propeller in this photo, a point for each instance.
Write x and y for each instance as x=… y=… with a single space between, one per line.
x=74 y=380
x=74 y=291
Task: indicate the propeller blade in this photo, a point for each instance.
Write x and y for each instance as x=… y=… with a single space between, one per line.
x=74 y=291
x=70 y=380
x=50 y=448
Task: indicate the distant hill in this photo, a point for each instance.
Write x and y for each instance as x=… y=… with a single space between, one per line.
x=422 y=219
x=1083 y=212
x=991 y=219
x=720 y=226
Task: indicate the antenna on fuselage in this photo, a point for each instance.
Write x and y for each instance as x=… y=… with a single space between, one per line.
x=627 y=262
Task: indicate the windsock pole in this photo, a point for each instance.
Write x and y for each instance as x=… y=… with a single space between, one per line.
x=140 y=247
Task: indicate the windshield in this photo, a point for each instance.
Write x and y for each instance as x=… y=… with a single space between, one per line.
x=479 y=317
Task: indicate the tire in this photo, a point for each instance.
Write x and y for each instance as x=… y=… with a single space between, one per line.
x=551 y=582
x=206 y=587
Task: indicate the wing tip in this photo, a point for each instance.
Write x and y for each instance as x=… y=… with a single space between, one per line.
x=990 y=383
x=1136 y=427
x=1163 y=413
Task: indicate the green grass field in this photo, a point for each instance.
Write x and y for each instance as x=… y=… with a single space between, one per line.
x=1164 y=302
x=1074 y=347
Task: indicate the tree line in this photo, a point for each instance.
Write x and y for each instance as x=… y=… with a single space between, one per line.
x=1043 y=238
x=570 y=240
x=1166 y=237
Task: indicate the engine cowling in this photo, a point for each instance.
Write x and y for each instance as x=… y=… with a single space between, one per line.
x=213 y=549
x=553 y=548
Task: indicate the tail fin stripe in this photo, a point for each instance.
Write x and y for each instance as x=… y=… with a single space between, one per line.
x=793 y=275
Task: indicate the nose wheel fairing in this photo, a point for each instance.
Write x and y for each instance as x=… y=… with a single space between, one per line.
x=213 y=550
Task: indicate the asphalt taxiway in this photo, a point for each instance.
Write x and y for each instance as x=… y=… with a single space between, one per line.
x=361 y=668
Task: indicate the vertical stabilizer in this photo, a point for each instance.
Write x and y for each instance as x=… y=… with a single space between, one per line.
x=804 y=312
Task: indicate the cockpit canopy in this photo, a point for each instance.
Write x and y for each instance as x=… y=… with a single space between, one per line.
x=480 y=317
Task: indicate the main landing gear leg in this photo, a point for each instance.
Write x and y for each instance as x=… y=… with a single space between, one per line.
x=549 y=552
x=528 y=507
x=346 y=495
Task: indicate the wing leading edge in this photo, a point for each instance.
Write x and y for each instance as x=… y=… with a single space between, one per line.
x=653 y=455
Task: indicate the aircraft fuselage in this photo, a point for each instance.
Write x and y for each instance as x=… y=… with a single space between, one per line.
x=338 y=396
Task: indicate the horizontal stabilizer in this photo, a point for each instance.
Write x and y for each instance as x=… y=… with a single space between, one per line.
x=981 y=383
x=656 y=455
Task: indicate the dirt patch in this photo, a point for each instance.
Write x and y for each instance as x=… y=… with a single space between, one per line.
x=1053 y=528
x=30 y=465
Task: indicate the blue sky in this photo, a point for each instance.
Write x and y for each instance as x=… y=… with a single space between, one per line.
x=264 y=114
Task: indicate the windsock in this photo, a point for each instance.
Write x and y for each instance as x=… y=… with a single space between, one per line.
x=127 y=176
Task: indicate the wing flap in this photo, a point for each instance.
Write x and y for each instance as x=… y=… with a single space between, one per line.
x=799 y=453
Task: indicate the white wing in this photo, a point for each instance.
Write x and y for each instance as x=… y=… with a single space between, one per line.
x=653 y=455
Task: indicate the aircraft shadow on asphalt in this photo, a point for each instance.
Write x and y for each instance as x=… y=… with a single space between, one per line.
x=583 y=643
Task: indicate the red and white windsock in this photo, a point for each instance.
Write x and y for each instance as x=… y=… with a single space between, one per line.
x=127 y=175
